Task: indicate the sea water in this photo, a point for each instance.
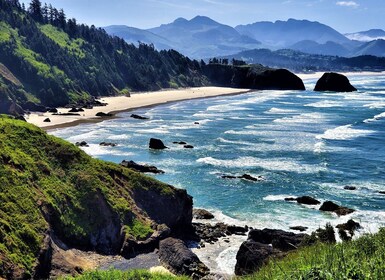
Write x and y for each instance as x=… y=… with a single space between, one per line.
x=300 y=142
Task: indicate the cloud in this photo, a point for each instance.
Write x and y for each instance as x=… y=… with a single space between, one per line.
x=350 y=4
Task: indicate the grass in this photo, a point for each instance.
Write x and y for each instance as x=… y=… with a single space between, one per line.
x=360 y=259
x=139 y=230
x=126 y=275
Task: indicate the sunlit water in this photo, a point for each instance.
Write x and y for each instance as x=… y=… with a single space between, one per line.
x=302 y=143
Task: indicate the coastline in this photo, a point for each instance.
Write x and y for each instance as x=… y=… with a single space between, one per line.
x=317 y=75
x=118 y=104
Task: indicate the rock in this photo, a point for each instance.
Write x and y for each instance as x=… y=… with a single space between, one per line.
x=250 y=178
x=141 y=168
x=10 y=107
x=290 y=199
x=350 y=188
x=188 y=147
x=237 y=230
x=82 y=144
x=180 y=143
x=73 y=110
x=307 y=200
x=330 y=206
x=196 y=122
x=334 y=82
x=229 y=177
x=135 y=116
x=33 y=107
x=349 y=226
x=381 y=192
x=156 y=144
x=52 y=110
x=299 y=228
x=107 y=144
x=101 y=114
x=176 y=257
x=202 y=214
x=47 y=120
x=208 y=232
x=20 y=118
x=80 y=110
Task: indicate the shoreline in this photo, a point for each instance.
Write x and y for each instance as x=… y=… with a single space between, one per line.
x=120 y=104
x=317 y=75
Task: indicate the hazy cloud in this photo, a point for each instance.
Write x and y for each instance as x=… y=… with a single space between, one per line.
x=351 y=4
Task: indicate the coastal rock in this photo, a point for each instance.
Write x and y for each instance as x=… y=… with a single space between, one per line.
x=156 y=144
x=108 y=144
x=135 y=116
x=20 y=118
x=202 y=214
x=180 y=143
x=346 y=230
x=334 y=82
x=176 y=257
x=52 y=110
x=82 y=144
x=33 y=107
x=47 y=120
x=188 y=147
x=101 y=114
x=307 y=200
x=350 y=188
x=74 y=110
x=244 y=176
x=299 y=228
x=141 y=168
x=381 y=192
x=330 y=206
x=10 y=107
x=211 y=233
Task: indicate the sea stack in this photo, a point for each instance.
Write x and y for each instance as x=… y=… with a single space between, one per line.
x=334 y=82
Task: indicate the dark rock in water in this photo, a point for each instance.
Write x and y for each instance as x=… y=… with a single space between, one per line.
x=33 y=107
x=52 y=110
x=211 y=233
x=349 y=226
x=308 y=200
x=250 y=178
x=290 y=199
x=180 y=143
x=196 y=122
x=202 y=214
x=73 y=110
x=80 y=110
x=334 y=82
x=330 y=206
x=47 y=120
x=237 y=230
x=107 y=144
x=188 y=147
x=350 y=188
x=82 y=144
x=101 y=114
x=141 y=168
x=381 y=192
x=229 y=177
x=156 y=144
x=299 y=228
x=252 y=256
x=135 y=116
x=176 y=257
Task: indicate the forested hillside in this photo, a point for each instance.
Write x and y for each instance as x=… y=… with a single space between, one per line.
x=46 y=58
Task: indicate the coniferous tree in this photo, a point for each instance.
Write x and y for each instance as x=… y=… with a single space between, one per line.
x=35 y=10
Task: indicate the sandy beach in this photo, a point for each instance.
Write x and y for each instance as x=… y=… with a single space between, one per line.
x=124 y=103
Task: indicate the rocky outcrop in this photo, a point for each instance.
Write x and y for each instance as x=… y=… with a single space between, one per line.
x=350 y=188
x=307 y=200
x=141 y=168
x=202 y=214
x=82 y=144
x=263 y=244
x=176 y=257
x=347 y=230
x=334 y=82
x=329 y=206
x=108 y=144
x=33 y=107
x=299 y=228
x=156 y=144
x=135 y=116
x=188 y=146
x=245 y=177
x=211 y=233
x=47 y=120
x=103 y=115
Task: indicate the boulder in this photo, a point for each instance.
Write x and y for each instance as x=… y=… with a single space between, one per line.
x=334 y=82
x=135 y=116
x=350 y=188
x=47 y=120
x=329 y=206
x=202 y=214
x=175 y=256
x=108 y=144
x=307 y=200
x=299 y=228
x=73 y=110
x=101 y=114
x=141 y=168
x=349 y=226
x=52 y=110
x=82 y=144
x=188 y=147
x=33 y=107
x=156 y=144
x=381 y=192
x=250 y=178
x=180 y=143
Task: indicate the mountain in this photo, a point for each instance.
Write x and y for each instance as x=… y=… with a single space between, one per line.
x=135 y=35
x=312 y=47
x=376 y=48
x=283 y=34
x=203 y=37
x=54 y=196
x=366 y=36
x=54 y=62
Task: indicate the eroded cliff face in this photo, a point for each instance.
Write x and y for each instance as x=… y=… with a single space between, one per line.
x=55 y=198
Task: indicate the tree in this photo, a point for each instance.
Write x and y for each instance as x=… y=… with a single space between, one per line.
x=35 y=10
x=61 y=19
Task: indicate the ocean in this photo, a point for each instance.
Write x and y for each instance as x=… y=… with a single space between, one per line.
x=300 y=142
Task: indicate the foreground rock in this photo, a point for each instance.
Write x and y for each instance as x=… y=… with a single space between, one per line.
x=307 y=200
x=175 y=256
x=334 y=82
x=103 y=115
x=82 y=144
x=108 y=144
x=141 y=168
x=329 y=206
x=245 y=177
x=211 y=233
x=202 y=214
x=262 y=245
x=156 y=144
x=135 y=116
x=346 y=231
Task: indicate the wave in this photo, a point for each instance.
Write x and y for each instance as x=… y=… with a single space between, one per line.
x=325 y=104
x=279 y=111
x=375 y=118
x=345 y=132
x=375 y=105
x=303 y=118
x=276 y=197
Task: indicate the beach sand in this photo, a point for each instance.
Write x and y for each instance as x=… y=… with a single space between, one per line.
x=124 y=103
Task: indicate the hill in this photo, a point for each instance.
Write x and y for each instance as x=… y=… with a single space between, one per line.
x=203 y=37
x=54 y=196
x=366 y=36
x=58 y=61
x=376 y=48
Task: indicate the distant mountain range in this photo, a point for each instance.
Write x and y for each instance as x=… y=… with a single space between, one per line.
x=202 y=37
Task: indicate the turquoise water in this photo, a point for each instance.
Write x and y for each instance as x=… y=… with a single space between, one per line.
x=302 y=143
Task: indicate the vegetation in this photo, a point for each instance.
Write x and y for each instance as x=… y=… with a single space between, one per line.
x=126 y=275
x=59 y=61
x=48 y=183
x=361 y=259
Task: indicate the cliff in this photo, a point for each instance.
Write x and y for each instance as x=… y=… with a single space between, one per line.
x=55 y=197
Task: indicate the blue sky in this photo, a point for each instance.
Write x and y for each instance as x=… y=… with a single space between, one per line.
x=343 y=15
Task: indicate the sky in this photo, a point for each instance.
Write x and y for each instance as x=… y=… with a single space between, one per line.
x=343 y=15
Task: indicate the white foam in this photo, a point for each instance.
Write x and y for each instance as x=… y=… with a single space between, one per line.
x=274 y=164
x=119 y=137
x=97 y=150
x=375 y=118
x=227 y=108
x=279 y=111
x=325 y=104
x=158 y=130
x=345 y=132
x=302 y=118
x=276 y=197
x=375 y=105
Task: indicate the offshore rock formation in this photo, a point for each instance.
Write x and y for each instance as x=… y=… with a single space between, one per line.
x=334 y=82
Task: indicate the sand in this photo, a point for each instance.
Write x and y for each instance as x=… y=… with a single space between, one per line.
x=124 y=103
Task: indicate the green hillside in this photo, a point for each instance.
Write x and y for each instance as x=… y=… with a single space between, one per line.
x=51 y=190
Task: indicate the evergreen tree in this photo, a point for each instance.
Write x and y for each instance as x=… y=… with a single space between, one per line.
x=35 y=10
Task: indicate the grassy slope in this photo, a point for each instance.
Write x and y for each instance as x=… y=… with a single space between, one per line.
x=361 y=259
x=40 y=172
